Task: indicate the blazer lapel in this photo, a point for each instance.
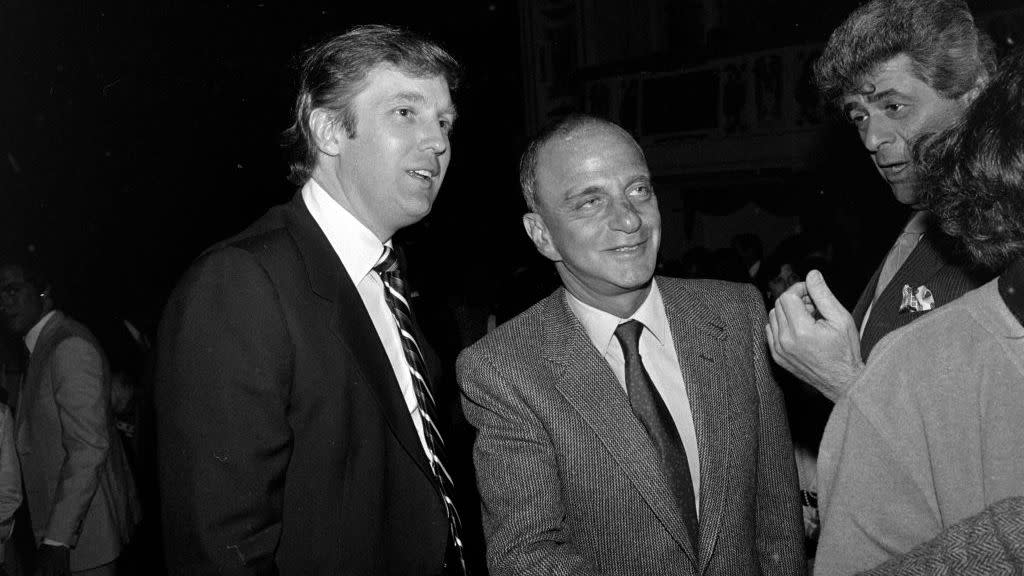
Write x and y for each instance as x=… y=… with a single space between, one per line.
x=586 y=381
x=351 y=324
x=866 y=296
x=700 y=337
x=33 y=377
x=924 y=262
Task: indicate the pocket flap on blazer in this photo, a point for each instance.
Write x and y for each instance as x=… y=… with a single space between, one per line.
x=259 y=547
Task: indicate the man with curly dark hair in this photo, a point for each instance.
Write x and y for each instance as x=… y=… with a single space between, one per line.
x=896 y=69
x=929 y=440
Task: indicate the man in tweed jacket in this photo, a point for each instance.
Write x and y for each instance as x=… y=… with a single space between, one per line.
x=570 y=481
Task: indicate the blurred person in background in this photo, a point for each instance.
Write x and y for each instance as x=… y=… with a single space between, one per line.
x=79 y=489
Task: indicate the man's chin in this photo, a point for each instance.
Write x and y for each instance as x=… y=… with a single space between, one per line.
x=904 y=192
x=637 y=281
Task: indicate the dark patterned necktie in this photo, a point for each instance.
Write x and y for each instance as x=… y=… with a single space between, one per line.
x=657 y=421
x=394 y=294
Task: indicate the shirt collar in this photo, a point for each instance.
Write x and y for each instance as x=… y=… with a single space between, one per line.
x=600 y=325
x=32 y=337
x=358 y=248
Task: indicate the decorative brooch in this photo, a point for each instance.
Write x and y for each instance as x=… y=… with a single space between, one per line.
x=919 y=300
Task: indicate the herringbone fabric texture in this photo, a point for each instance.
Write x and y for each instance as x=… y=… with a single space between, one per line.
x=990 y=543
x=569 y=481
x=394 y=294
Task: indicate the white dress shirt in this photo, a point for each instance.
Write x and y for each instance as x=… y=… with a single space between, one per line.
x=359 y=251
x=658 y=354
x=32 y=336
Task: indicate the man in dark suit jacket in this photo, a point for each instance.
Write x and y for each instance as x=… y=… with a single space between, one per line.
x=665 y=453
x=898 y=70
x=294 y=437
x=80 y=493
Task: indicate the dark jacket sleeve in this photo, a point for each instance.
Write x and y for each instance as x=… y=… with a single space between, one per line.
x=222 y=387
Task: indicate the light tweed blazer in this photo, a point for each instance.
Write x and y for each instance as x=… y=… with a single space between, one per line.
x=570 y=483
x=78 y=486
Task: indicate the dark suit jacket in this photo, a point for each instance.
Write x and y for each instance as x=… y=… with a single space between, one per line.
x=935 y=263
x=285 y=445
x=571 y=484
x=77 y=483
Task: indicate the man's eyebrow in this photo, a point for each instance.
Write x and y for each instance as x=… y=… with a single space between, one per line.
x=599 y=189
x=408 y=97
x=572 y=195
x=417 y=98
x=875 y=97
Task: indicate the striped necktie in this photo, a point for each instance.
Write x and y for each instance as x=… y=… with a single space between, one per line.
x=394 y=294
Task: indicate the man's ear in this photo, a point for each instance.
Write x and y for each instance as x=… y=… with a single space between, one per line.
x=538 y=232
x=325 y=131
x=46 y=299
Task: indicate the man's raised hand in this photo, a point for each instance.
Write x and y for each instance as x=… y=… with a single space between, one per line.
x=822 y=348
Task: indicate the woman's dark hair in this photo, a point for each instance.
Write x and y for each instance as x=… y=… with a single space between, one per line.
x=973 y=173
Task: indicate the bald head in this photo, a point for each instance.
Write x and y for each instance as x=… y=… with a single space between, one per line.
x=567 y=129
x=593 y=212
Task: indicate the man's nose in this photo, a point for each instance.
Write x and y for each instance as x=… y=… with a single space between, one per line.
x=625 y=216
x=434 y=138
x=877 y=133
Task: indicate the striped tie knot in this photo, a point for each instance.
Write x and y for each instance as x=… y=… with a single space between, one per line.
x=388 y=263
x=390 y=272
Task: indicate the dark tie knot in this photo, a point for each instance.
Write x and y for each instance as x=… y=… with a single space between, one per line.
x=388 y=263
x=628 y=334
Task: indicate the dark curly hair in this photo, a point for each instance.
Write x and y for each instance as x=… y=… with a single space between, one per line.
x=946 y=48
x=973 y=173
x=333 y=72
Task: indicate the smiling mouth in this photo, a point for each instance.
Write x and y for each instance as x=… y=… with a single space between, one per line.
x=421 y=174
x=628 y=249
